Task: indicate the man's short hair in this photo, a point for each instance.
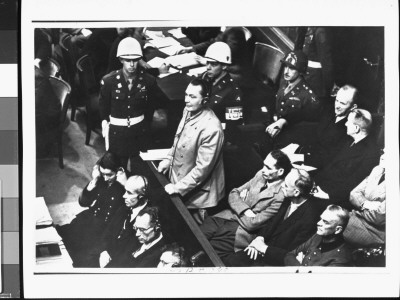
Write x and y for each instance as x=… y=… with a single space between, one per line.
x=179 y=252
x=203 y=84
x=109 y=161
x=282 y=161
x=152 y=211
x=342 y=214
x=363 y=119
x=354 y=90
x=304 y=183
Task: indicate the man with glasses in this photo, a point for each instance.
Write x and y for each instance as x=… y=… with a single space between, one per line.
x=127 y=101
x=148 y=253
x=351 y=164
x=293 y=224
x=103 y=197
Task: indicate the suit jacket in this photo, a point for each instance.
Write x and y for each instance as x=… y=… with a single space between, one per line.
x=283 y=235
x=330 y=138
x=316 y=253
x=148 y=259
x=197 y=168
x=348 y=168
x=264 y=204
x=367 y=226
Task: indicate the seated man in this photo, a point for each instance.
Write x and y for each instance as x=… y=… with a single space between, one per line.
x=295 y=102
x=119 y=234
x=224 y=95
x=292 y=225
x=367 y=222
x=173 y=256
x=251 y=206
x=331 y=134
x=352 y=164
x=327 y=247
x=103 y=197
x=147 y=253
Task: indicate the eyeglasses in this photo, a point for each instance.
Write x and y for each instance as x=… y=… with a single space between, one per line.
x=141 y=230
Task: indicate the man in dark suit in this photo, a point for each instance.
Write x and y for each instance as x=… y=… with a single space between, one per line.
x=331 y=133
x=352 y=164
x=148 y=253
x=293 y=224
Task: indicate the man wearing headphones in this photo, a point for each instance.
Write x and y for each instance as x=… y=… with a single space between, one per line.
x=194 y=163
x=151 y=242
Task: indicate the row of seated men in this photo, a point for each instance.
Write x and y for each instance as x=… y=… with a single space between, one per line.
x=354 y=153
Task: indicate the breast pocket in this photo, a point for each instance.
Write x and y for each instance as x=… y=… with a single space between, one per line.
x=117 y=96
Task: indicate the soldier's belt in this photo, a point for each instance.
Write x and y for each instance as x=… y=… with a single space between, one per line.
x=314 y=64
x=126 y=122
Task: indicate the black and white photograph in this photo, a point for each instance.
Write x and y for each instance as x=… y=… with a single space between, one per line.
x=209 y=145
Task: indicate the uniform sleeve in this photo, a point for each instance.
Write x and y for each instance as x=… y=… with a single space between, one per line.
x=377 y=216
x=87 y=198
x=105 y=99
x=207 y=155
x=324 y=50
x=290 y=258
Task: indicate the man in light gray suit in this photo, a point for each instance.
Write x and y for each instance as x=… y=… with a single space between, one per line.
x=251 y=205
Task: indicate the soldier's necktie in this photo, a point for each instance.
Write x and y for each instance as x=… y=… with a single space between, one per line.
x=382 y=178
x=130 y=84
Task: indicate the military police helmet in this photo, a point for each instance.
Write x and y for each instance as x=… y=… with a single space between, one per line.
x=129 y=48
x=296 y=60
x=220 y=52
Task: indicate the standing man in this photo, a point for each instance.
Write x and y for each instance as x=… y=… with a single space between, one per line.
x=151 y=242
x=195 y=162
x=293 y=224
x=128 y=98
x=353 y=162
x=327 y=247
x=251 y=206
x=225 y=96
x=295 y=102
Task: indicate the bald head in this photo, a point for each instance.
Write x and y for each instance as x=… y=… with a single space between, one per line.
x=345 y=100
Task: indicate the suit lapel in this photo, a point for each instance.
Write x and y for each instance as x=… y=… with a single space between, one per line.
x=292 y=219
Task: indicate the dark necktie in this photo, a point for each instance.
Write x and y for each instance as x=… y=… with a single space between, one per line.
x=264 y=187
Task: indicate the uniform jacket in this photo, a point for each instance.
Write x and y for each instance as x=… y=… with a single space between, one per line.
x=316 y=253
x=347 y=169
x=264 y=204
x=299 y=104
x=226 y=101
x=330 y=137
x=318 y=48
x=148 y=259
x=367 y=227
x=197 y=169
x=283 y=235
x=118 y=101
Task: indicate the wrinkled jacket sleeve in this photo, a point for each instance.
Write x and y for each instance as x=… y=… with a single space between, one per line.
x=207 y=156
x=235 y=201
x=357 y=195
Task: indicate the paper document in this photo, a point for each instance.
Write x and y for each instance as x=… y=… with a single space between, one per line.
x=197 y=71
x=42 y=212
x=290 y=149
x=155 y=154
x=177 y=33
x=156 y=62
x=170 y=71
x=151 y=34
x=296 y=157
x=47 y=235
x=305 y=167
x=171 y=50
x=183 y=60
x=163 y=42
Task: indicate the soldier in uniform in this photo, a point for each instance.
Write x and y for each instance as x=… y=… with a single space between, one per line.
x=128 y=98
x=224 y=94
x=295 y=102
x=316 y=44
x=103 y=196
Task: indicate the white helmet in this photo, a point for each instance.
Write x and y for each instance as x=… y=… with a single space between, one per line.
x=129 y=48
x=219 y=51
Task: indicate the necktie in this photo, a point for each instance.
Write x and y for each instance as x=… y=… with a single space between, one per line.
x=264 y=187
x=130 y=84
